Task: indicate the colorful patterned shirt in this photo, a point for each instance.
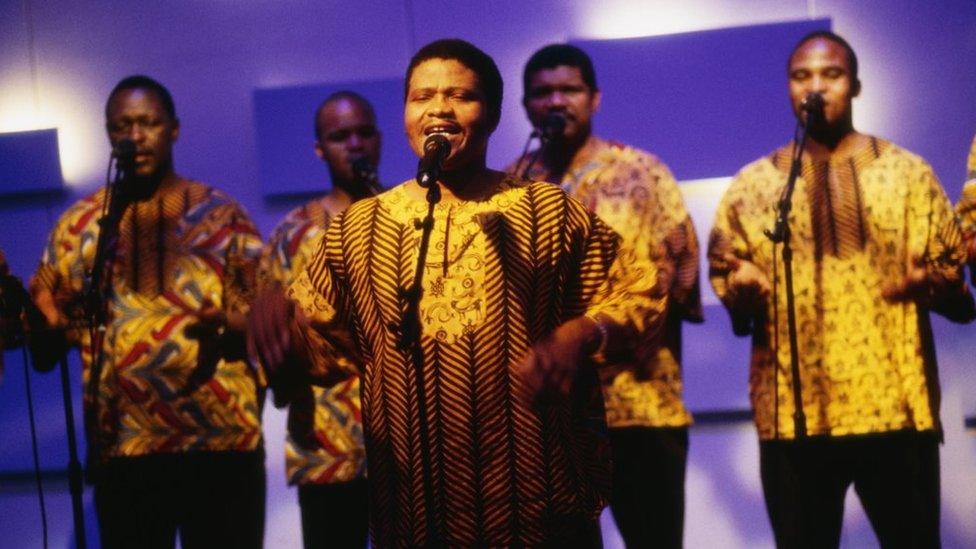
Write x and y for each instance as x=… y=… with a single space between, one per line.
x=967 y=207
x=635 y=193
x=501 y=273
x=867 y=364
x=325 y=433
x=156 y=393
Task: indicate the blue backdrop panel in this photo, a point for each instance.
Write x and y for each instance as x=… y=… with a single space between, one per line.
x=706 y=102
x=284 y=118
x=29 y=162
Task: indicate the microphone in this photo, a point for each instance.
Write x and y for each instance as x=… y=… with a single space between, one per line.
x=436 y=149
x=552 y=126
x=365 y=173
x=124 y=151
x=813 y=105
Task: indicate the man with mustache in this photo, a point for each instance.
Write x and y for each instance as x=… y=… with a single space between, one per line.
x=324 y=451
x=876 y=249
x=480 y=421
x=173 y=412
x=635 y=193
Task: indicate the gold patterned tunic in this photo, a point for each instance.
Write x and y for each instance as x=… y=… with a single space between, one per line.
x=967 y=207
x=325 y=433
x=501 y=273
x=867 y=365
x=187 y=244
x=635 y=193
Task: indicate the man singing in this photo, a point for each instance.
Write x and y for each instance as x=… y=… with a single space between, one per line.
x=497 y=444
x=324 y=450
x=875 y=248
x=634 y=193
x=173 y=412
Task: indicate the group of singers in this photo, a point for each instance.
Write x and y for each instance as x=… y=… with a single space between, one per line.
x=535 y=373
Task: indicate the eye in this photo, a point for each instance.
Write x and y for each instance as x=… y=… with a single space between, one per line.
x=800 y=74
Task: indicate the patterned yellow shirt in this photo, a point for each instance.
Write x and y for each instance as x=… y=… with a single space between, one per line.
x=501 y=273
x=867 y=365
x=156 y=393
x=967 y=207
x=635 y=193
x=325 y=433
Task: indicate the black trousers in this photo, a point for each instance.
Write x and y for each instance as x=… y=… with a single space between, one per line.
x=895 y=475
x=648 y=500
x=334 y=515
x=213 y=499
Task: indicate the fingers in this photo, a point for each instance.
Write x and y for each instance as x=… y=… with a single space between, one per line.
x=733 y=261
x=264 y=328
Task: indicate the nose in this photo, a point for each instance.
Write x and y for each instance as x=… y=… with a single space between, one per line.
x=818 y=84
x=439 y=106
x=355 y=142
x=137 y=133
x=557 y=100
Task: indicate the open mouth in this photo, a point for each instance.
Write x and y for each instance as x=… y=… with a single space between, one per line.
x=446 y=129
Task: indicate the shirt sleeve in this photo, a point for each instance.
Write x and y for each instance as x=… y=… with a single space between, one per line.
x=936 y=238
x=680 y=248
x=325 y=344
x=273 y=267
x=62 y=270
x=629 y=292
x=728 y=238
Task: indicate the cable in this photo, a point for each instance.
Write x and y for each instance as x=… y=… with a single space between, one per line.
x=33 y=430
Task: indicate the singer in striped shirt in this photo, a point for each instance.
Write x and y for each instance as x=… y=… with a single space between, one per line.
x=520 y=287
x=324 y=452
x=876 y=248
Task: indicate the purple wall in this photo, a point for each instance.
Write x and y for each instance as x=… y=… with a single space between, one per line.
x=59 y=59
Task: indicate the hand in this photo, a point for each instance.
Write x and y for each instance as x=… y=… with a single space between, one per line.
x=747 y=285
x=269 y=328
x=551 y=365
x=971 y=249
x=914 y=286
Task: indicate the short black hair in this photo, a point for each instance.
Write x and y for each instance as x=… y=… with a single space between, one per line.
x=348 y=95
x=555 y=55
x=835 y=38
x=466 y=53
x=143 y=82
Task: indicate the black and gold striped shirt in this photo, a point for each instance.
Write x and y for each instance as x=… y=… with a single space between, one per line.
x=501 y=274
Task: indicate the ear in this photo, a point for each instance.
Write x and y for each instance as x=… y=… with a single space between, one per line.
x=595 y=101
x=856 y=87
x=175 y=132
x=319 y=152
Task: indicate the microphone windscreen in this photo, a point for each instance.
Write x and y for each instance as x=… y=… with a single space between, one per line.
x=437 y=142
x=553 y=124
x=125 y=148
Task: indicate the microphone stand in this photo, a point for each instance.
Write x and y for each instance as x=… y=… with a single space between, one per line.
x=98 y=294
x=781 y=234
x=37 y=323
x=410 y=340
x=534 y=157
x=74 y=464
